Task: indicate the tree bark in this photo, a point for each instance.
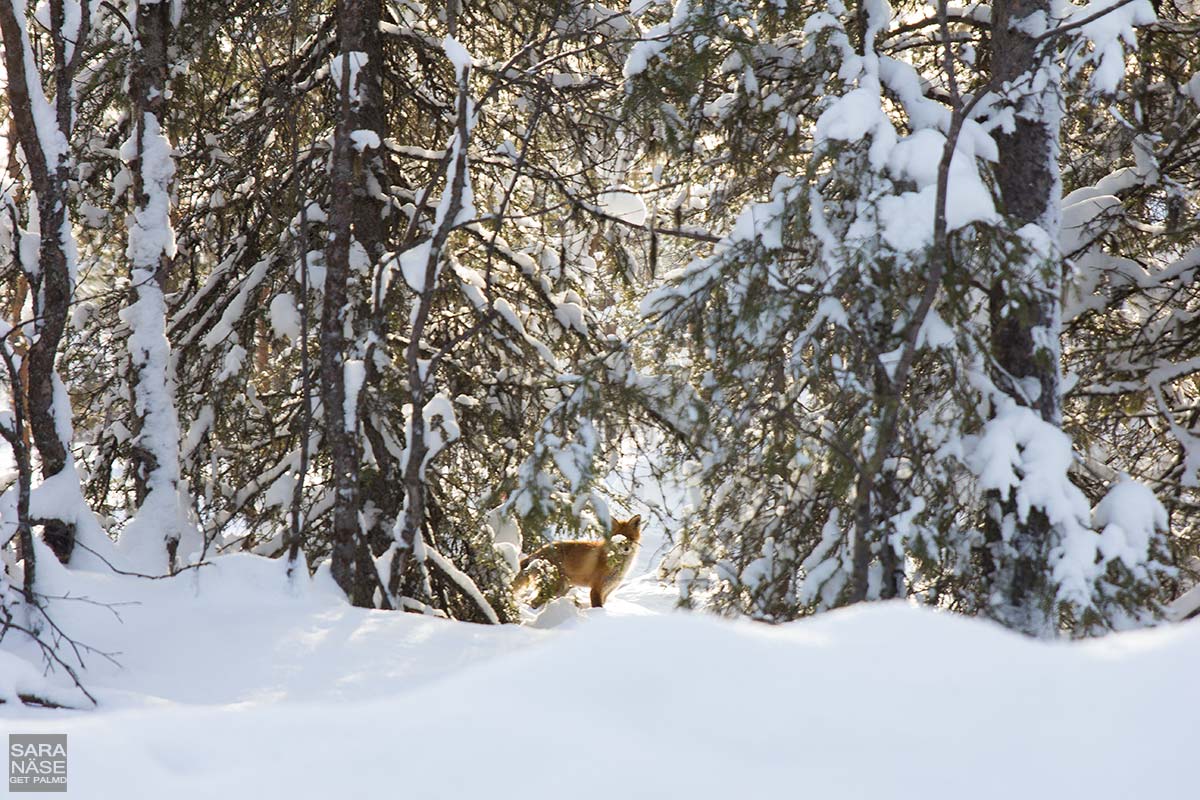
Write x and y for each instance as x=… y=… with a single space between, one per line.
x=358 y=31
x=1025 y=304
x=355 y=221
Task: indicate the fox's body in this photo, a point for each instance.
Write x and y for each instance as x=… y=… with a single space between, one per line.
x=598 y=565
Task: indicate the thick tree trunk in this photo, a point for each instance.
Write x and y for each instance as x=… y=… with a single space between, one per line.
x=339 y=438
x=358 y=31
x=355 y=222
x=1025 y=299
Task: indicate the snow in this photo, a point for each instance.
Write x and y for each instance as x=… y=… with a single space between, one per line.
x=464 y=582
x=506 y=536
x=285 y=318
x=416 y=260
x=1127 y=519
x=1193 y=89
x=438 y=436
x=364 y=139
x=906 y=219
x=623 y=204
x=413 y=264
x=235 y=681
x=466 y=199
x=458 y=55
x=223 y=329
x=151 y=234
x=61 y=497
x=935 y=332
x=51 y=138
x=281 y=492
x=354 y=373
x=1020 y=451
x=290 y=701
x=571 y=316
x=999 y=455
x=356 y=61
x=853 y=116
x=761 y=222
x=231 y=365
x=163 y=516
x=1110 y=33
x=1079 y=228
x=656 y=40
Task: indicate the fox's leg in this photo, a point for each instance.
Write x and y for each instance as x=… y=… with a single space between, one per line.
x=607 y=585
x=597 y=596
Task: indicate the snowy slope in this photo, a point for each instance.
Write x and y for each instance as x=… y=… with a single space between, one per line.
x=234 y=687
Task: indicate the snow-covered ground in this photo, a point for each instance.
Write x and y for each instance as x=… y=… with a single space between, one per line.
x=233 y=686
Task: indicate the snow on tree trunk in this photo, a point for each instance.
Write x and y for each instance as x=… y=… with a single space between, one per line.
x=161 y=519
x=1025 y=299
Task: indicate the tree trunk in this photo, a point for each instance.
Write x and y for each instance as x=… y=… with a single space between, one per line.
x=421 y=373
x=1025 y=302
x=52 y=284
x=14 y=432
x=358 y=31
x=155 y=456
x=355 y=221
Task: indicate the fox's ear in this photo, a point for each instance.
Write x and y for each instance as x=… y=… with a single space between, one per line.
x=634 y=522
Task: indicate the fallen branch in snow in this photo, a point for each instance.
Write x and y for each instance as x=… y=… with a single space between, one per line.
x=119 y=571
x=50 y=653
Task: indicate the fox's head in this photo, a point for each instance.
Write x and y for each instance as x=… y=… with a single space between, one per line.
x=630 y=528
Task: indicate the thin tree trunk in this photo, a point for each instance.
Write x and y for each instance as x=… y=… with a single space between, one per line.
x=18 y=440
x=868 y=491
x=298 y=516
x=421 y=373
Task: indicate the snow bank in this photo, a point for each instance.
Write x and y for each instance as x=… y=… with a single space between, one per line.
x=237 y=685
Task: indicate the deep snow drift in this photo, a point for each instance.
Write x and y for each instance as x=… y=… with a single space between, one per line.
x=234 y=686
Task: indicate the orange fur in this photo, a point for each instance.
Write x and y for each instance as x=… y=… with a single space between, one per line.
x=598 y=565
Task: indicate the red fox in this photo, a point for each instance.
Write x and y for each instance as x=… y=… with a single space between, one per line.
x=599 y=565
